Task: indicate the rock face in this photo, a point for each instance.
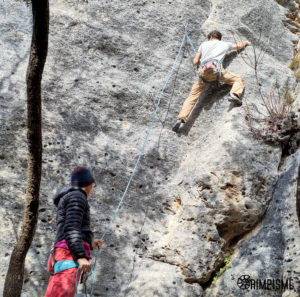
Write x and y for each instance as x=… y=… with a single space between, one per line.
x=196 y=193
x=271 y=251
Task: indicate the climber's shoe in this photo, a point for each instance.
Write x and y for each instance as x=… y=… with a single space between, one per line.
x=235 y=100
x=178 y=125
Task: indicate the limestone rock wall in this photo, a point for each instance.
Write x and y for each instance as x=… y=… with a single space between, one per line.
x=196 y=192
x=271 y=251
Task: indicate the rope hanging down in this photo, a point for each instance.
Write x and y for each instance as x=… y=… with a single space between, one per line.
x=191 y=43
x=186 y=36
x=147 y=136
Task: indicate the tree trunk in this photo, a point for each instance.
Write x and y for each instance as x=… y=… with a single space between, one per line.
x=298 y=196
x=38 y=53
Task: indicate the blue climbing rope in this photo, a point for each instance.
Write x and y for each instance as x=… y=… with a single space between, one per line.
x=191 y=43
x=186 y=36
x=146 y=139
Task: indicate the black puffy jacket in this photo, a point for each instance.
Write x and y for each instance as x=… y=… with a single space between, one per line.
x=73 y=219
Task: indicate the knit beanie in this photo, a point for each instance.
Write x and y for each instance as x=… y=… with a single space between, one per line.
x=81 y=177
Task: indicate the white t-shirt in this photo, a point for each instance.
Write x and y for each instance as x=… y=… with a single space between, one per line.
x=214 y=49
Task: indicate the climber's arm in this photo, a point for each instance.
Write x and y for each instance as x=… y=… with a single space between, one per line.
x=240 y=45
x=196 y=60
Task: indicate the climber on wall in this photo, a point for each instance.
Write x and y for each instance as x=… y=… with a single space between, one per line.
x=74 y=239
x=209 y=57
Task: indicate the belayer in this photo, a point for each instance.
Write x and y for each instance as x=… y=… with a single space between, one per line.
x=74 y=238
x=209 y=60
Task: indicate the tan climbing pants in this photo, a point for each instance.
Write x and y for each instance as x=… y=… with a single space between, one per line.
x=228 y=78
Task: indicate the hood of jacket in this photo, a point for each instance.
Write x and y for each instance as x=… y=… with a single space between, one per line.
x=63 y=191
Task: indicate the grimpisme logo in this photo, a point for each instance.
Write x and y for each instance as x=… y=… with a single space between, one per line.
x=245 y=282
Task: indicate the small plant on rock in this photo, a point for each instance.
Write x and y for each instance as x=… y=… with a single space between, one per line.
x=295 y=66
x=279 y=103
x=227 y=264
x=279 y=124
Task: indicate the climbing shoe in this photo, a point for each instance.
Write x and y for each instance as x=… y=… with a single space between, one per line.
x=178 y=125
x=235 y=100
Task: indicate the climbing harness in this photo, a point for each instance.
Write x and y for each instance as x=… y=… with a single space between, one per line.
x=64 y=265
x=212 y=64
x=211 y=68
x=61 y=265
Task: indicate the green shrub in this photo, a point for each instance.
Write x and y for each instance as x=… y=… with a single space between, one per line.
x=227 y=265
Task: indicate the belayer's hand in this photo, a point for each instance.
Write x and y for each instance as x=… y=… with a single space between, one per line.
x=97 y=244
x=84 y=264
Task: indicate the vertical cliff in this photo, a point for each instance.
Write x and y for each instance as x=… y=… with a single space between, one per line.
x=196 y=193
